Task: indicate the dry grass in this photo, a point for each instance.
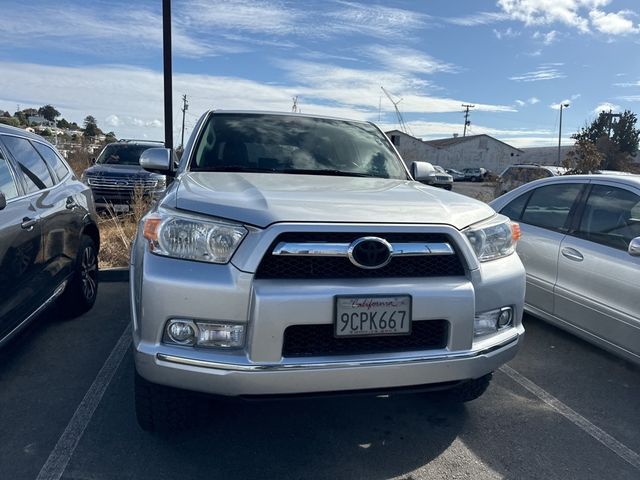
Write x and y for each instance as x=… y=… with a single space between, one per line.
x=79 y=159
x=117 y=231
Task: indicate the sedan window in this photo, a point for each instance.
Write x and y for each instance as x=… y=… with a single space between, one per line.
x=611 y=217
x=35 y=171
x=549 y=206
x=7 y=184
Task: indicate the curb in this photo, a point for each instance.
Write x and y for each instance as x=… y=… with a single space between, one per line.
x=119 y=274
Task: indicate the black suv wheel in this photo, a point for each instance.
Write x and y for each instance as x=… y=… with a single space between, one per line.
x=82 y=290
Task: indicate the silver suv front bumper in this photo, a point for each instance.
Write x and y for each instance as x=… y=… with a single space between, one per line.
x=164 y=288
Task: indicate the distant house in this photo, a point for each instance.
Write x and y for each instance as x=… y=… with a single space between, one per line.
x=475 y=151
x=39 y=120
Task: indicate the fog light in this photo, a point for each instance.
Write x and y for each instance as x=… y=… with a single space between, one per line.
x=220 y=335
x=491 y=321
x=505 y=318
x=181 y=332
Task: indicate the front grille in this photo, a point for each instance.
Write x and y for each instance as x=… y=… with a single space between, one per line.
x=121 y=182
x=319 y=340
x=291 y=267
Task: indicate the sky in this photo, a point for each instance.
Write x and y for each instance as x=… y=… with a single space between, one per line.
x=516 y=61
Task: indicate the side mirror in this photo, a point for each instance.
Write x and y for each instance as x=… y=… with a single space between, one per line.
x=634 y=247
x=93 y=160
x=421 y=170
x=3 y=201
x=157 y=160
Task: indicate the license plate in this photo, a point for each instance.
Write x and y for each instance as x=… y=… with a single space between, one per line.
x=120 y=208
x=373 y=316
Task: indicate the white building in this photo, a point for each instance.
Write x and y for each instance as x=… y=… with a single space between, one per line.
x=475 y=151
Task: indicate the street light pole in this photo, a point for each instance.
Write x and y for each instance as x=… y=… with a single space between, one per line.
x=565 y=105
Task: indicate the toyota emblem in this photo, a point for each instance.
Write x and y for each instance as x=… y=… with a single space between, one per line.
x=370 y=252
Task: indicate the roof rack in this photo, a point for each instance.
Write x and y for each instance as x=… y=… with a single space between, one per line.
x=125 y=140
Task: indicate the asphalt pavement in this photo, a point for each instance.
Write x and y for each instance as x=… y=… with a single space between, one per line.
x=562 y=409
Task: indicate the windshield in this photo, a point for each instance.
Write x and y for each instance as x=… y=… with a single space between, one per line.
x=293 y=144
x=121 y=154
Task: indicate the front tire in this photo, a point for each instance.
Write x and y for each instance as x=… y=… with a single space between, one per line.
x=82 y=289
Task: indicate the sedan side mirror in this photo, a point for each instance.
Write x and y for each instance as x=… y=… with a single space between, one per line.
x=3 y=201
x=157 y=160
x=421 y=170
x=634 y=247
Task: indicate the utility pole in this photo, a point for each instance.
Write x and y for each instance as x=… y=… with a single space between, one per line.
x=565 y=105
x=467 y=122
x=611 y=116
x=295 y=108
x=185 y=107
x=168 y=84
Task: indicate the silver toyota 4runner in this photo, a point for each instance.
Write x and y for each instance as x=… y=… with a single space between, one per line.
x=294 y=254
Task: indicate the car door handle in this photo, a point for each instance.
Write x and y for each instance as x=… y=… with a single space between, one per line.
x=28 y=223
x=572 y=254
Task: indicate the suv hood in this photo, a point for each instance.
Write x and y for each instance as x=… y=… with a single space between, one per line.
x=261 y=199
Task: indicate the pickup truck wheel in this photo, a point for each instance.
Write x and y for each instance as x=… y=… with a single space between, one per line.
x=82 y=289
x=468 y=391
x=160 y=408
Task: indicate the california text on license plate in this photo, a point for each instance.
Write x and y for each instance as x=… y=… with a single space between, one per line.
x=368 y=316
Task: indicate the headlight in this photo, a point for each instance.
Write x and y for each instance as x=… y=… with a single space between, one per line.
x=192 y=238
x=496 y=238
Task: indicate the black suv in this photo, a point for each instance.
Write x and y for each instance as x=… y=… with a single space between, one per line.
x=49 y=236
x=117 y=175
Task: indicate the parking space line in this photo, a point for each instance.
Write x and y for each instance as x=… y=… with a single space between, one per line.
x=58 y=459
x=574 y=417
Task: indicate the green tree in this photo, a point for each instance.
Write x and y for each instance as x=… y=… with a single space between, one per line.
x=616 y=141
x=46 y=133
x=49 y=112
x=110 y=137
x=91 y=126
x=62 y=123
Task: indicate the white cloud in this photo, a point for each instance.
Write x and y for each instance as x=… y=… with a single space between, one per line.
x=547 y=71
x=546 y=38
x=130 y=100
x=584 y=15
x=529 y=101
x=508 y=33
x=566 y=103
x=533 y=100
x=613 y=23
x=629 y=98
x=521 y=103
x=482 y=18
x=407 y=60
x=547 y=12
x=628 y=84
x=605 y=107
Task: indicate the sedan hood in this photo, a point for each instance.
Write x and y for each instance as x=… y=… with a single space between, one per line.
x=262 y=199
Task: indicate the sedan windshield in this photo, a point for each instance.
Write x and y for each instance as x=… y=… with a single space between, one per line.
x=294 y=144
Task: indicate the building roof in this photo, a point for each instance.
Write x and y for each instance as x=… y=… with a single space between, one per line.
x=447 y=142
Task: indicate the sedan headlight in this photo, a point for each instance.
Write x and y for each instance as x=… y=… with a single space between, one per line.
x=494 y=239
x=192 y=238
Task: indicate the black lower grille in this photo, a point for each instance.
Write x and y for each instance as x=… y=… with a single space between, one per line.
x=319 y=340
x=290 y=267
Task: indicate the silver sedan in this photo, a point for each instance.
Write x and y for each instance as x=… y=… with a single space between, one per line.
x=581 y=250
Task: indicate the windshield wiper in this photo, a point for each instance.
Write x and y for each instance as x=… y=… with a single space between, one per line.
x=335 y=173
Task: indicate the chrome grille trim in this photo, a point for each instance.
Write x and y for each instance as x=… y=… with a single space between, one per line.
x=116 y=182
x=318 y=249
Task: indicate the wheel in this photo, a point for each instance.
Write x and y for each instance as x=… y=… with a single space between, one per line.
x=474 y=179
x=467 y=391
x=82 y=289
x=160 y=408
x=448 y=187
